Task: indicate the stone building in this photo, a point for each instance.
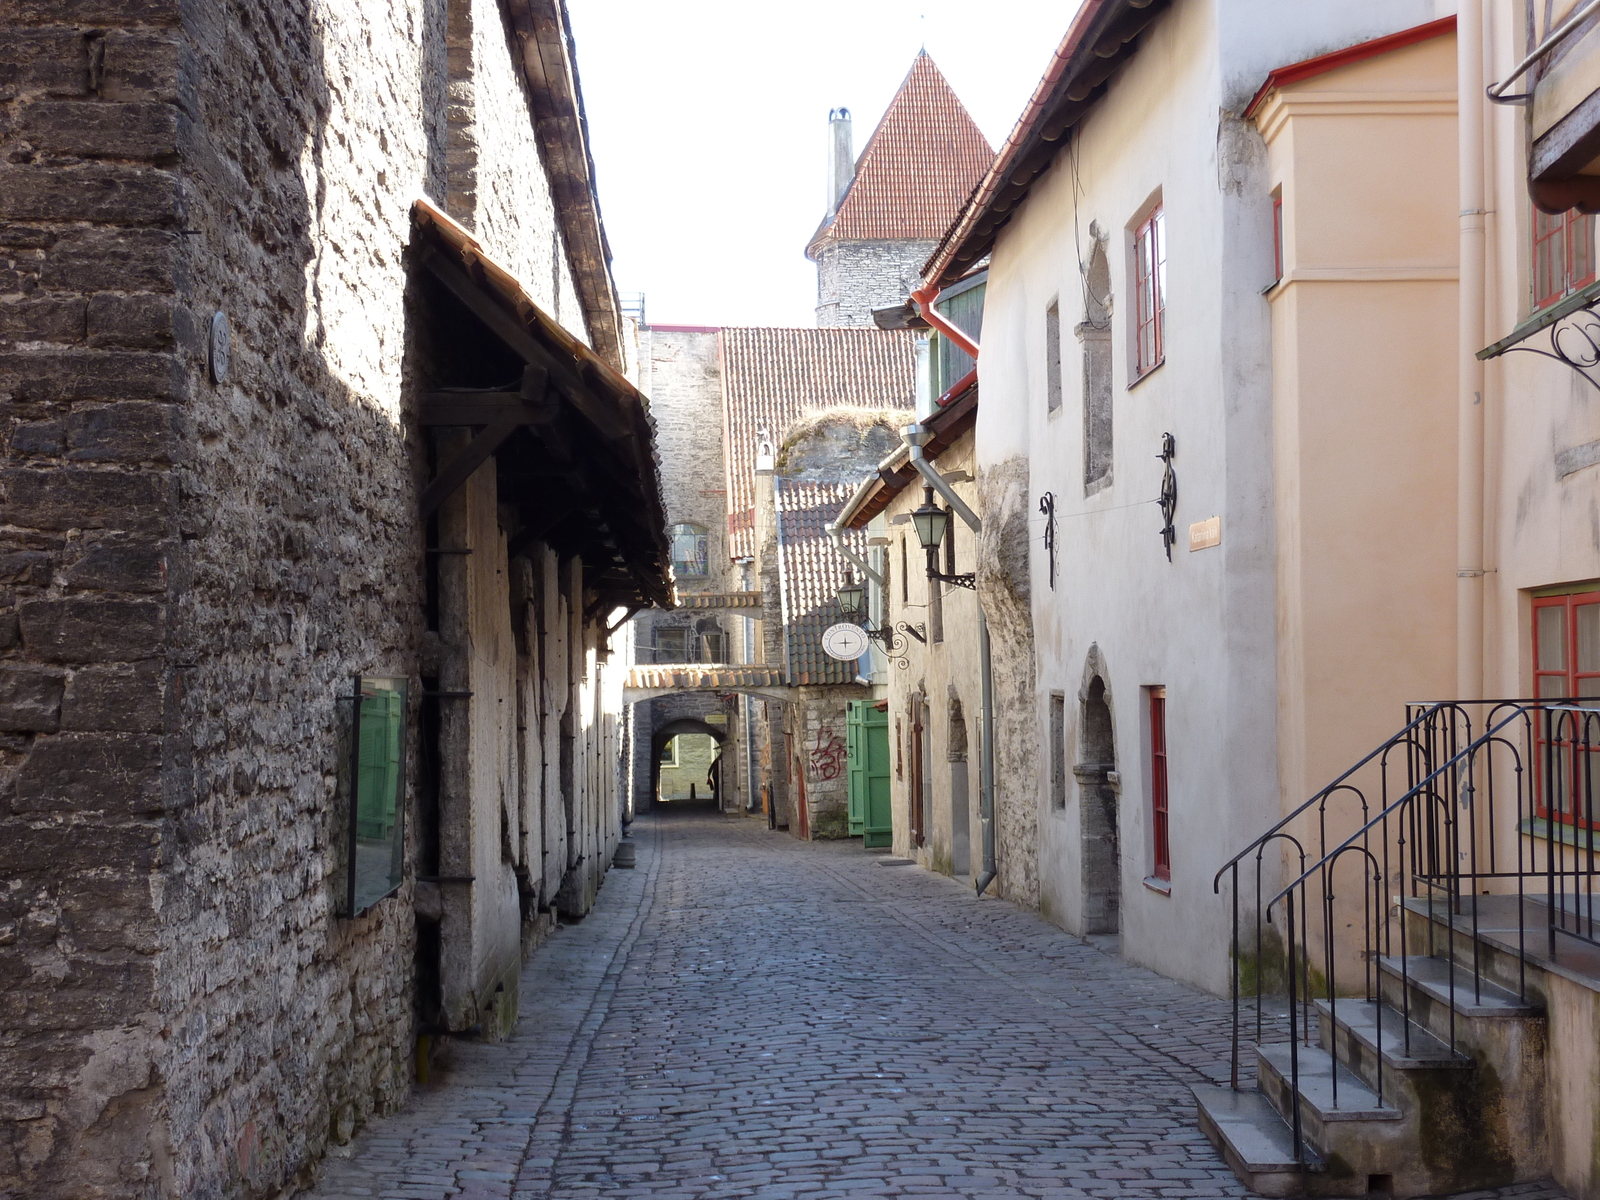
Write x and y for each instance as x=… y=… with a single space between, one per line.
x=718 y=607
x=888 y=209
x=756 y=385
x=323 y=489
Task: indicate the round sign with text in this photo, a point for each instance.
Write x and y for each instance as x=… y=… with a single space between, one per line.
x=844 y=641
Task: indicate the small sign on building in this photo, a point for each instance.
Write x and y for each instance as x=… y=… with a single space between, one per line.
x=1205 y=534
x=844 y=641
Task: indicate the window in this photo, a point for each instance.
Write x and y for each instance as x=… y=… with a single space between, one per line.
x=669 y=752
x=371 y=782
x=962 y=305
x=1159 y=824
x=1277 y=236
x=689 y=559
x=1150 y=292
x=1094 y=332
x=1566 y=665
x=1563 y=255
x=672 y=645
x=1052 y=355
x=904 y=574
x=712 y=644
x=1058 y=751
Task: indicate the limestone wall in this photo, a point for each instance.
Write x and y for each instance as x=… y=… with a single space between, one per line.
x=192 y=571
x=854 y=277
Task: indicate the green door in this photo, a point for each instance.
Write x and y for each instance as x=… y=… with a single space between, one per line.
x=855 y=765
x=868 y=753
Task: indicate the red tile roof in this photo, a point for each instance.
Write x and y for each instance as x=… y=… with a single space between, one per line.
x=810 y=571
x=919 y=166
x=700 y=677
x=1074 y=80
x=772 y=377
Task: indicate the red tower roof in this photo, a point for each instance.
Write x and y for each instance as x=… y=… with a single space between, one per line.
x=917 y=169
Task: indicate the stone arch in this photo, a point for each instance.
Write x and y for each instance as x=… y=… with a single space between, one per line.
x=671 y=729
x=1099 y=815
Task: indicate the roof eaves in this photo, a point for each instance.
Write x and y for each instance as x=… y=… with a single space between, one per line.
x=895 y=473
x=1100 y=39
x=550 y=69
x=579 y=372
x=1361 y=51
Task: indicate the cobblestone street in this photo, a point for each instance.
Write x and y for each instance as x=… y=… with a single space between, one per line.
x=749 y=1015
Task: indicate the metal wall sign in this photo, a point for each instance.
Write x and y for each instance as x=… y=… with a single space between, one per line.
x=1205 y=534
x=844 y=641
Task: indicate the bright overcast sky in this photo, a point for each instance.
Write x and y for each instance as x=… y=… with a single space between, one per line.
x=709 y=125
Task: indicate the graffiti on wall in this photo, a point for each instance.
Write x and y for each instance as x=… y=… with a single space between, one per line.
x=828 y=755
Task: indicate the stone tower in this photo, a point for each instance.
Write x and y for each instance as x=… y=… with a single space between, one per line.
x=888 y=209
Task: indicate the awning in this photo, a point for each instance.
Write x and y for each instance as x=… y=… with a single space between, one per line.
x=589 y=483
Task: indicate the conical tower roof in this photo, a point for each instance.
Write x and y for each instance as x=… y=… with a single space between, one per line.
x=917 y=169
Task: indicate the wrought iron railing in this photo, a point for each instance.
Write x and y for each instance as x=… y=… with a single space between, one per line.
x=1467 y=801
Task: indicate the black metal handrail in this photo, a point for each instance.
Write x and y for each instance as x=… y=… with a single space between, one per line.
x=1441 y=836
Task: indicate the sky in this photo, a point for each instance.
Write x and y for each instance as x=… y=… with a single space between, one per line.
x=708 y=122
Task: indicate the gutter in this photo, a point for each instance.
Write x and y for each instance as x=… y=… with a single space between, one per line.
x=924 y=297
x=916 y=437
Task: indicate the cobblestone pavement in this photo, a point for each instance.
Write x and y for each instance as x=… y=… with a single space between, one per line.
x=749 y=1015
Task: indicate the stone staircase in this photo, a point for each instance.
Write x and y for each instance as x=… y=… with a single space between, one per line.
x=1434 y=1084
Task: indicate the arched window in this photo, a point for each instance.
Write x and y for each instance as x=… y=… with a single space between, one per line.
x=689 y=551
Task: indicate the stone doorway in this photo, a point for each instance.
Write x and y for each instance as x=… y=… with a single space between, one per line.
x=960 y=807
x=674 y=774
x=1100 y=830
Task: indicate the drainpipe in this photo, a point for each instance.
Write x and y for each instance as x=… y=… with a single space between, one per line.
x=1469 y=400
x=925 y=296
x=916 y=437
x=837 y=535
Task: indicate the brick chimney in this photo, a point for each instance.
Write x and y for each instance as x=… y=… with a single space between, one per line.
x=841 y=157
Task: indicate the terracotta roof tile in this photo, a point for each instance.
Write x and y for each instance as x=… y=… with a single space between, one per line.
x=919 y=166
x=720 y=600
x=809 y=573
x=693 y=676
x=772 y=377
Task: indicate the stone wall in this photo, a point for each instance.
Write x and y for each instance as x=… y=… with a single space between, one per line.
x=854 y=277
x=680 y=371
x=1004 y=572
x=191 y=571
x=496 y=184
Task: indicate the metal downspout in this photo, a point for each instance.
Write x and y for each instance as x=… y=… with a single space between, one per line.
x=1469 y=404
x=837 y=535
x=915 y=437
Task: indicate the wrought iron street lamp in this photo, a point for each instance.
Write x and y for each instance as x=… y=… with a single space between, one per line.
x=932 y=523
x=852 y=598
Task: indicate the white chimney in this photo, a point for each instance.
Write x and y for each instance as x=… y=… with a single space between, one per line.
x=841 y=157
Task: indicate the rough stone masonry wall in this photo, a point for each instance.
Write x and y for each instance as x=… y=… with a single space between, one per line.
x=191 y=572
x=681 y=373
x=92 y=379
x=855 y=277
x=1005 y=591
x=496 y=177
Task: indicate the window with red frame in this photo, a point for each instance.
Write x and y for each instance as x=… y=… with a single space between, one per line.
x=1563 y=255
x=1566 y=665
x=1150 y=292
x=1158 y=783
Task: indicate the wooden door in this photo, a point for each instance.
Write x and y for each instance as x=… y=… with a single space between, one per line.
x=918 y=832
